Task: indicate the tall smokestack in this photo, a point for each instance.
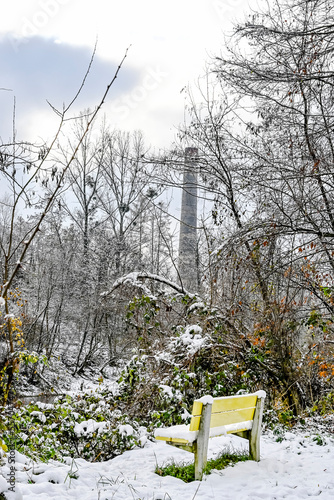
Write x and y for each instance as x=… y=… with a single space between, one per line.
x=188 y=257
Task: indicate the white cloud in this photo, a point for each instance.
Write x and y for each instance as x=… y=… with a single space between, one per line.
x=169 y=39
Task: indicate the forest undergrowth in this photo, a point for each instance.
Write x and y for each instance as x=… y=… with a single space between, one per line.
x=157 y=386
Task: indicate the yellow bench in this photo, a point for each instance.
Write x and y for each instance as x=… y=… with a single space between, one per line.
x=240 y=415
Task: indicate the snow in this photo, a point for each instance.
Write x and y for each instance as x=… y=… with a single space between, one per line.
x=177 y=432
x=44 y=406
x=167 y=390
x=171 y=392
x=88 y=427
x=192 y=338
x=206 y=400
x=196 y=305
x=261 y=394
x=134 y=277
x=224 y=429
x=2 y=302
x=182 y=431
x=196 y=329
x=39 y=415
x=126 y=430
x=296 y=468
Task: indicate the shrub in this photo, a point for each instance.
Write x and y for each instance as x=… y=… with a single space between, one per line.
x=87 y=426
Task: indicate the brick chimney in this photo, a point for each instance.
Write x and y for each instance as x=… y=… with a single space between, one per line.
x=188 y=251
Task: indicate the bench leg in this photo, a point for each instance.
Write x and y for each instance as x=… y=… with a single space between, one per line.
x=254 y=439
x=201 y=445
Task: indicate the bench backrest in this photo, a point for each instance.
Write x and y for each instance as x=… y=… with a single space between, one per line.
x=227 y=411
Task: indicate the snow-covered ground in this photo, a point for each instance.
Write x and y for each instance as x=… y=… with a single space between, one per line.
x=298 y=467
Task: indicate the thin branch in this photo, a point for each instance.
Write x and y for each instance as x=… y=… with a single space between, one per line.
x=60 y=180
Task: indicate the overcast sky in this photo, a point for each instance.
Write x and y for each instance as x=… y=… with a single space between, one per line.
x=46 y=45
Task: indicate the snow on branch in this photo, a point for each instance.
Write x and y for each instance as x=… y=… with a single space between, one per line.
x=136 y=278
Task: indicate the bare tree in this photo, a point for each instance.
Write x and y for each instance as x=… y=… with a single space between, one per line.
x=267 y=157
x=126 y=196
x=21 y=165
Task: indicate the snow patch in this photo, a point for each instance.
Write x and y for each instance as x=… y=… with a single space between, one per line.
x=126 y=430
x=182 y=431
x=206 y=400
x=89 y=426
x=197 y=305
x=298 y=469
x=167 y=390
x=224 y=429
x=44 y=406
x=195 y=329
x=177 y=432
x=38 y=414
x=192 y=338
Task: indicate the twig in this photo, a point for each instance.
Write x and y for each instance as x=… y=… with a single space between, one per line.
x=198 y=487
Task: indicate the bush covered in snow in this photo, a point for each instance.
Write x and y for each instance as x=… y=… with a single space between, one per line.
x=86 y=426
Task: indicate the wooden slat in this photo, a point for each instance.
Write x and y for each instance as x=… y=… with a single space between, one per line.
x=225 y=411
x=242 y=432
x=231 y=417
x=197 y=408
x=194 y=423
x=239 y=431
x=233 y=403
x=172 y=440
